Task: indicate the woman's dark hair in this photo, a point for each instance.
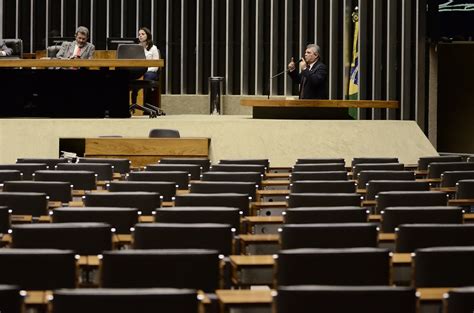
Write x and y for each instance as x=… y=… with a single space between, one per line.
x=149 y=37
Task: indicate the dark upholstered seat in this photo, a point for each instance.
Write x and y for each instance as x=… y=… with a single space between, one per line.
x=10 y=299
x=322 y=175
x=322 y=186
x=165 y=189
x=219 y=215
x=80 y=180
x=57 y=191
x=323 y=199
x=146 y=202
x=121 y=166
x=193 y=169
x=25 y=203
x=348 y=214
x=205 y=163
x=232 y=200
x=180 y=178
x=409 y=198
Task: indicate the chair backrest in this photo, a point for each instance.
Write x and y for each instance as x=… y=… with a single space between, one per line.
x=180 y=178
x=17 y=47
x=394 y=216
x=184 y=236
x=38 y=269
x=323 y=175
x=356 y=169
x=435 y=169
x=375 y=186
x=146 y=202
x=10 y=299
x=341 y=214
x=25 y=203
x=164 y=133
x=247 y=188
x=465 y=189
x=52 y=51
x=205 y=163
x=256 y=168
x=5 y=219
x=423 y=162
x=367 y=175
x=177 y=268
x=132 y=51
x=193 y=169
x=264 y=162
x=356 y=161
x=331 y=235
x=6 y=175
x=387 y=199
x=318 y=167
x=125 y=300
x=82 y=238
x=253 y=177
x=345 y=267
x=444 y=267
x=232 y=200
x=323 y=199
x=80 y=180
x=26 y=169
x=165 y=189
x=122 y=219
x=57 y=191
x=121 y=166
x=219 y=215
x=48 y=161
x=320 y=160
x=322 y=186
x=450 y=178
x=104 y=171
x=343 y=299
x=416 y=236
x=460 y=300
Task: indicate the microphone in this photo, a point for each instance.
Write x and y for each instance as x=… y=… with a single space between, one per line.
x=281 y=73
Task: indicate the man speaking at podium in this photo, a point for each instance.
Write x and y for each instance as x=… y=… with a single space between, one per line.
x=313 y=75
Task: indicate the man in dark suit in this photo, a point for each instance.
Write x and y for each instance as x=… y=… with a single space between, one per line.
x=78 y=49
x=4 y=50
x=313 y=75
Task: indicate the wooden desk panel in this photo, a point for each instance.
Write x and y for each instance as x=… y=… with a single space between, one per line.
x=378 y=104
x=11 y=63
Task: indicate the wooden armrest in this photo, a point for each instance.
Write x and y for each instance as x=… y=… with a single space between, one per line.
x=55 y=204
x=76 y=203
x=182 y=191
x=277 y=175
x=44 y=219
x=122 y=238
x=269 y=204
x=167 y=204
x=461 y=202
x=263 y=219
x=146 y=219
x=468 y=217
x=369 y=202
x=78 y=193
x=275 y=182
x=7 y=238
x=252 y=260
x=259 y=238
x=401 y=258
x=361 y=190
x=35 y=297
x=432 y=294
x=22 y=218
x=375 y=217
x=387 y=236
x=244 y=296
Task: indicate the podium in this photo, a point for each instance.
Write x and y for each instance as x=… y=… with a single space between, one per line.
x=311 y=109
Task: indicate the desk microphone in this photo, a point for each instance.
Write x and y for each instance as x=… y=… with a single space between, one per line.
x=281 y=73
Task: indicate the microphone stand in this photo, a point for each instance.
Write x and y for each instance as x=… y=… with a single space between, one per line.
x=270 y=81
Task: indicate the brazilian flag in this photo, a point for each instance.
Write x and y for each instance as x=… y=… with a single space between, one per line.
x=354 y=78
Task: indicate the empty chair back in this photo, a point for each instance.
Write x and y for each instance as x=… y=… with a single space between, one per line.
x=365 y=176
x=323 y=199
x=121 y=166
x=186 y=268
x=264 y=162
x=465 y=189
x=164 y=133
x=183 y=236
x=322 y=186
x=51 y=163
x=82 y=238
x=444 y=267
x=416 y=236
x=166 y=189
x=423 y=162
x=193 y=169
x=27 y=169
x=239 y=168
x=218 y=215
x=122 y=219
x=104 y=171
x=323 y=175
x=387 y=199
x=80 y=180
x=38 y=269
x=343 y=299
x=146 y=202
x=394 y=216
x=318 y=167
x=232 y=200
x=460 y=300
x=451 y=178
x=247 y=188
x=253 y=177
x=10 y=299
x=125 y=300
x=356 y=169
x=25 y=203
x=180 y=178
x=319 y=160
x=204 y=163
x=5 y=219
x=435 y=169
x=348 y=214
x=6 y=175
x=331 y=235
x=372 y=160
x=57 y=191
x=376 y=186
x=346 y=267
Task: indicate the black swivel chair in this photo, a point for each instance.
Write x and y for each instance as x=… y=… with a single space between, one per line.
x=135 y=51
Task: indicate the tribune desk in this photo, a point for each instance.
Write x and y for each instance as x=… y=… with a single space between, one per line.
x=59 y=88
x=311 y=109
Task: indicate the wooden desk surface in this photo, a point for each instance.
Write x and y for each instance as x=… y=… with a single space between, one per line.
x=320 y=103
x=80 y=63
